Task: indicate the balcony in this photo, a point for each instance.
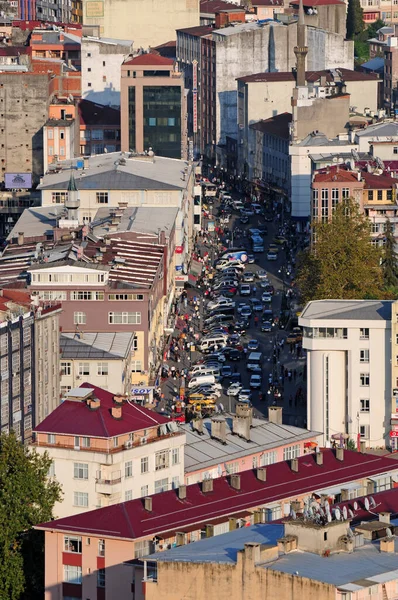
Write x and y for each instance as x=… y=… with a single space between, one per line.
x=111 y=485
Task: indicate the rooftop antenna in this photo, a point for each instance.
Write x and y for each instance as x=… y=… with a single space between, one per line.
x=337 y=514
x=366 y=503
x=355 y=505
x=351 y=514
x=389 y=532
x=329 y=517
x=345 y=514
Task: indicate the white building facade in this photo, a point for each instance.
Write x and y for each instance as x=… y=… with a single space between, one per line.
x=349 y=370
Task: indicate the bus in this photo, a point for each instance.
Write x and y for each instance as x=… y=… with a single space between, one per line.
x=209 y=190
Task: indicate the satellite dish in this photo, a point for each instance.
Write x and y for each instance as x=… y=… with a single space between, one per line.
x=321 y=511
x=314 y=505
x=350 y=534
x=366 y=503
x=355 y=505
x=311 y=511
x=329 y=517
x=345 y=514
x=327 y=509
x=372 y=502
x=351 y=514
x=337 y=514
x=326 y=505
x=389 y=532
x=293 y=514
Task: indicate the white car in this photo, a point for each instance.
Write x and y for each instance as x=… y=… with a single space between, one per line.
x=266 y=298
x=255 y=382
x=234 y=389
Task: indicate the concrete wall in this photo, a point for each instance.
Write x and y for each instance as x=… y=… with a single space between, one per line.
x=331 y=17
x=117 y=380
x=104 y=78
x=47 y=364
x=328 y=50
x=147 y=23
x=328 y=115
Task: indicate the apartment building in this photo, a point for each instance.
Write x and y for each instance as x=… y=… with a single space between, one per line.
x=104 y=357
x=100 y=547
x=106 y=450
x=350 y=350
x=29 y=362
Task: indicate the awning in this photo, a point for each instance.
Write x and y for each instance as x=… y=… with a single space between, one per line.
x=310 y=445
x=337 y=489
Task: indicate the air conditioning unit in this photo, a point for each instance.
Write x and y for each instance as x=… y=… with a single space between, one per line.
x=128 y=444
x=78 y=377
x=143 y=440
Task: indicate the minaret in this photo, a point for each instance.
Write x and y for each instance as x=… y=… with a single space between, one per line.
x=301 y=50
x=72 y=201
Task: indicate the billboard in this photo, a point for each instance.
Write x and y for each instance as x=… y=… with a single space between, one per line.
x=18 y=181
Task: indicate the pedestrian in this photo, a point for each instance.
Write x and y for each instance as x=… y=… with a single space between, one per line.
x=256 y=321
x=289 y=375
x=294 y=374
x=278 y=352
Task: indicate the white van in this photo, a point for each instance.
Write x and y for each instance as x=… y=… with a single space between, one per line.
x=209 y=342
x=205 y=370
x=201 y=379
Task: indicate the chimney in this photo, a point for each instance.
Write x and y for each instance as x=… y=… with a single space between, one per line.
x=182 y=492
x=21 y=238
x=209 y=531
x=235 y=482
x=232 y=523
x=340 y=454
x=148 y=503
x=93 y=403
x=319 y=458
x=207 y=486
x=197 y=425
x=241 y=427
x=296 y=505
x=118 y=400
x=362 y=444
x=294 y=465
x=219 y=430
x=180 y=538
x=345 y=494
x=384 y=517
x=261 y=474
x=244 y=410
x=387 y=544
x=116 y=412
x=275 y=415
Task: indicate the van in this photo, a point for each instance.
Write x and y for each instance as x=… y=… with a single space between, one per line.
x=211 y=341
x=205 y=370
x=234 y=254
x=200 y=379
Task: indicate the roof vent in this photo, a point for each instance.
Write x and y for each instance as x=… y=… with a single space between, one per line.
x=235 y=481
x=116 y=412
x=93 y=403
x=197 y=425
x=319 y=458
x=182 y=492
x=294 y=465
x=340 y=454
x=207 y=486
x=219 y=430
x=275 y=415
x=119 y=400
x=261 y=474
x=148 y=503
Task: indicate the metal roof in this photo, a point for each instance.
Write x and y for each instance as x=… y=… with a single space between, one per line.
x=140 y=219
x=96 y=346
x=354 y=310
x=201 y=451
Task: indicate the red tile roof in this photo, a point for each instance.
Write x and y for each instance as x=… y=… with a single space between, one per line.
x=378 y=182
x=149 y=59
x=335 y=174
x=73 y=417
x=213 y=6
x=129 y=520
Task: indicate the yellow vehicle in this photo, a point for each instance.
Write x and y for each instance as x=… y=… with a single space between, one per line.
x=280 y=239
x=274 y=248
x=202 y=400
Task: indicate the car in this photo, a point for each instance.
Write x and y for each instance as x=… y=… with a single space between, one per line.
x=240 y=327
x=253 y=345
x=268 y=218
x=235 y=378
x=247 y=210
x=238 y=205
x=248 y=277
x=246 y=312
x=266 y=298
x=257 y=305
x=235 y=354
x=295 y=336
x=274 y=248
x=224 y=283
x=254 y=368
x=270 y=289
x=255 y=382
x=262 y=275
x=226 y=371
x=234 y=339
x=280 y=239
x=245 y=289
x=266 y=327
x=234 y=389
x=240 y=306
x=228 y=292
x=217 y=356
x=245 y=395
x=258 y=209
x=244 y=219
x=272 y=256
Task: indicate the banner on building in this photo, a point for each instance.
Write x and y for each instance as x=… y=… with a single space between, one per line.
x=195 y=95
x=18 y=181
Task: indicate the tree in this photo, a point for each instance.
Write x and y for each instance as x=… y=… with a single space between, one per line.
x=373 y=28
x=390 y=259
x=342 y=263
x=355 y=23
x=27 y=497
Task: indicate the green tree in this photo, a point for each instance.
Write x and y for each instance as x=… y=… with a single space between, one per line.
x=355 y=23
x=390 y=259
x=342 y=263
x=27 y=497
x=373 y=28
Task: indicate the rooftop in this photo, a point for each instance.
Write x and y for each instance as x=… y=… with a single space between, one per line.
x=149 y=59
x=96 y=346
x=75 y=418
x=335 y=173
x=118 y=171
x=37 y=221
x=201 y=451
x=311 y=3
x=379 y=130
x=374 y=64
x=317 y=138
x=140 y=219
x=130 y=520
x=210 y=7
x=278 y=125
x=198 y=31
x=348 y=310
x=92 y=113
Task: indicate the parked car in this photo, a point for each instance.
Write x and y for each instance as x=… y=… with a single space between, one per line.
x=246 y=312
x=226 y=371
x=234 y=389
x=235 y=354
x=262 y=275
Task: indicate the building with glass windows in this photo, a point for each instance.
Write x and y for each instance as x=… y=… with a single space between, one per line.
x=153 y=112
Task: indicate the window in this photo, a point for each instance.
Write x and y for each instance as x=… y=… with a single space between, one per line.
x=364 y=356
x=124 y=318
x=66 y=368
x=364 y=432
x=102 y=368
x=364 y=333
x=72 y=574
x=152 y=122
x=84 y=369
x=175 y=483
x=128 y=495
x=175 y=456
x=50 y=438
x=144 y=491
x=161 y=460
x=62 y=134
x=101 y=547
x=395 y=150
x=364 y=379
x=80 y=470
x=144 y=464
x=72 y=544
x=315 y=203
x=365 y=405
x=85 y=442
x=128 y=469
x=85 y=295
x=97 y=134
x=51 y=470
x=335 y=197
x=102 y=197
x=79 y=318
x=370 y=194
x=232 y=468
x=101 y=578
x=80 y=499
x=324 y=204
x=268 y=458
x=345 y=193
x=143 y=548
x=380 y=194
x=291 y=452
x=59 y=197
x=136 y=366
x=162 y=485
x=389 y=195
x=126 y=297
